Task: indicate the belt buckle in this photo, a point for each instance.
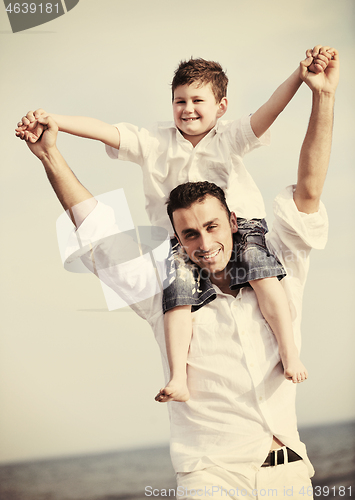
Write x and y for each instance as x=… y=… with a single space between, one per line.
x=273 y=458
x=276 y=459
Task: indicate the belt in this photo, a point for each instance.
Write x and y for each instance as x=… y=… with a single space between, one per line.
x=277 y=457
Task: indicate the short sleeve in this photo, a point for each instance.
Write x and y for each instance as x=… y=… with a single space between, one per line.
x=242 y=138
x=134 y=144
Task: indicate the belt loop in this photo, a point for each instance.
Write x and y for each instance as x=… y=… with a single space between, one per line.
x=275 y=455
x=285 y=455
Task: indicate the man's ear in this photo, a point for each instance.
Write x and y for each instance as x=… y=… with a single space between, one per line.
x=177 y=237
x=223 y=105
x=233 y=222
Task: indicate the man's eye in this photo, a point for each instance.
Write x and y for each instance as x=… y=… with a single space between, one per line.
x=211 y=228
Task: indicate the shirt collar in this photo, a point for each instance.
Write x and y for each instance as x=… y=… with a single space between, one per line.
x=180 y=138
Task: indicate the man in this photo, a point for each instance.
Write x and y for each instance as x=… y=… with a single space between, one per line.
x=241 y=406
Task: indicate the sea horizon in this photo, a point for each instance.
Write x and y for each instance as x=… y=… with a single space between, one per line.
x=134 y=473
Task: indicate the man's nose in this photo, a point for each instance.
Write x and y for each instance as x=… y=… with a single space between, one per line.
x=205 y=242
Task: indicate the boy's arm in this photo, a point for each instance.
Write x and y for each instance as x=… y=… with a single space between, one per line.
x=30 y=129
x=264 y=117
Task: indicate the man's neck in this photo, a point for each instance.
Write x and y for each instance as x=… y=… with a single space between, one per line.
x=223 y=281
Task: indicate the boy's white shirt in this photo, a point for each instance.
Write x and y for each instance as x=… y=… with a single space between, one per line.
x=167 y=160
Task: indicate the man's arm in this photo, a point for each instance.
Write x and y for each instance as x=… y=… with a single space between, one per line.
x=315 y=151
x=70 y=192
x=30 y=128
x=265 y=116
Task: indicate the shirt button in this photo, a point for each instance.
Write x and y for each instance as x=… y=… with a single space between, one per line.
x=260 y=398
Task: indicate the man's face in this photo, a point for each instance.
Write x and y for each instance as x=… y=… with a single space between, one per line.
x=205 y=232
x=196 y=111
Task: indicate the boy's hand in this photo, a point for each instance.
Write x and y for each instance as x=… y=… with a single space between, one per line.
x=29 y=128
x=321 y=57
x=323 y=81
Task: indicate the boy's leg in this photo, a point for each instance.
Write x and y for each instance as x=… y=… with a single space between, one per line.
x=178 y=331
x=275 y=309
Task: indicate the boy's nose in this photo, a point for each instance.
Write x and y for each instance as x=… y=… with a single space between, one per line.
x=189 y=107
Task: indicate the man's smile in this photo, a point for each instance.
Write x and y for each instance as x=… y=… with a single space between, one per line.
x=209 y=256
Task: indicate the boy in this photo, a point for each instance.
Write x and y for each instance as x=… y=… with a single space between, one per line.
x=197 y=148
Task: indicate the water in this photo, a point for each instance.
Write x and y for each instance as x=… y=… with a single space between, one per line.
x=331 y=450
x=124 y=475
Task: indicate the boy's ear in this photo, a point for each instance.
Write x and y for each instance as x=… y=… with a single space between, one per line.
x=223 y=105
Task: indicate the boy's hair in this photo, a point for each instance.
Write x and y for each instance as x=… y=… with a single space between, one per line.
x=202 y=72
x=185 y=195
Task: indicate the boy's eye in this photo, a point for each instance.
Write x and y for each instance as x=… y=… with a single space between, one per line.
x=198 y=100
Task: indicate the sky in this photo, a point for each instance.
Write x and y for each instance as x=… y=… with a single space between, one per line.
x=74 y=377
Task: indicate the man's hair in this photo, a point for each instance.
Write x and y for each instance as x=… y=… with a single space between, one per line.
x=185 y=195
x=201 y=72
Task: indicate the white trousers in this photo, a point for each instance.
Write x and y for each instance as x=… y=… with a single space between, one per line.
x=287 y=481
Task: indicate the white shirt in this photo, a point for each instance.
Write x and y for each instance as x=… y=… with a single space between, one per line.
x=239 y=396
x=167 y=160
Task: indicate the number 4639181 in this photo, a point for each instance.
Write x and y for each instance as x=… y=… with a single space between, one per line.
x=32 y=8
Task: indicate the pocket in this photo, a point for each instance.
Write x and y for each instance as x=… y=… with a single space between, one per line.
x=204 y=328
x=218 y=172
x=300 y=470
x=298 y=478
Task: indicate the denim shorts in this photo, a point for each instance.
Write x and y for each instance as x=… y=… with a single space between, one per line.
x=186 y=283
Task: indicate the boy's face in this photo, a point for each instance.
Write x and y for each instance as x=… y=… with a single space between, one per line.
x=205 y=232
x=196 y=111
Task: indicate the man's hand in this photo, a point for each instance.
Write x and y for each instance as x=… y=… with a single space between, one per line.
x=320 y=69
x=40 y=135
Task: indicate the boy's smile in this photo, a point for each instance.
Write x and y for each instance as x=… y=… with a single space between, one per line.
x=196 y=111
